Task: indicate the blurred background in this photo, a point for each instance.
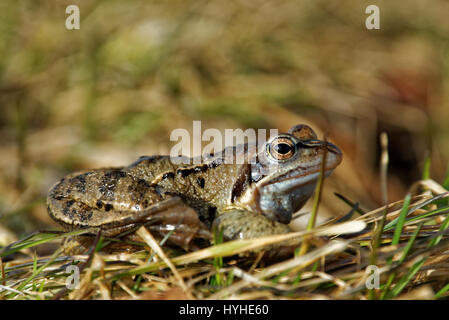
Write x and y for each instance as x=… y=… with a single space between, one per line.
x=114 y=90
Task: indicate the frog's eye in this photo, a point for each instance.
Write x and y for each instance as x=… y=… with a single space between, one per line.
x=282 y=148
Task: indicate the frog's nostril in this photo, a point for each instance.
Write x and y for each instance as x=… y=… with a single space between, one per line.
x=334 y=156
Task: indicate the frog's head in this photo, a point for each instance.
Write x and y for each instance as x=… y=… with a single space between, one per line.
x=286 y=170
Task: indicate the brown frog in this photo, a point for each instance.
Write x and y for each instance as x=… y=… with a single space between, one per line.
x=249 y=200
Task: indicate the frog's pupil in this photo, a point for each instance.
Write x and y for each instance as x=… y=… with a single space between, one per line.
x=282 y=148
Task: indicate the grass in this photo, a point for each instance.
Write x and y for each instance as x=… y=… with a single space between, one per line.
x=411 y=253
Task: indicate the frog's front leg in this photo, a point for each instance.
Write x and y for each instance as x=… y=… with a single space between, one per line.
x=242 y=224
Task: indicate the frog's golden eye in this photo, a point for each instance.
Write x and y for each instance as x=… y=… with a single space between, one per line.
x=282 y=148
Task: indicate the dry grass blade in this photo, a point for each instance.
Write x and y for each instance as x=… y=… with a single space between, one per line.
x=127 y=290
x=333 y=247
x=340 y=263
x=303 y=261
x=384 y=166
x=236 y=247
x=149 y=239
x=342 y=228
x=432 y=186
x=6 y=288
x=91 y=253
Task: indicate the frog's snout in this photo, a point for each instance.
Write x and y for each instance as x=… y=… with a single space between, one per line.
x=334 y=156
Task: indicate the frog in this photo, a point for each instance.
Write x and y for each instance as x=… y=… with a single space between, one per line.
x=185 y=200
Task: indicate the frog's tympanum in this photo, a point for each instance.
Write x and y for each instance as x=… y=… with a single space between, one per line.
x=244 y=201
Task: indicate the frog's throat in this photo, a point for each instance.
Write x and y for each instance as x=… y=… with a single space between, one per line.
x=252 y=196
x=297 y=181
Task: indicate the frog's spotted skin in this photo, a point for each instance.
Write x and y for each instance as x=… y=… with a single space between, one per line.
x=247 y=200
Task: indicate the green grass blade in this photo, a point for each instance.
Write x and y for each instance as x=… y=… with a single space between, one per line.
x=389 y=293
x=426 y=169
x=387 y=286
x=38 y=271
x=392 y=223
x=230 y=278
x=401 y=220
x=441 y=291
x=410 y=243
x=443 y=227
x=37 y=239
x=446 y=181
x=428 y=214
x=402 y=283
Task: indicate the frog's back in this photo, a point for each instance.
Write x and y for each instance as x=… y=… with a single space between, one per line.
x=104 y=197
x=98 y=197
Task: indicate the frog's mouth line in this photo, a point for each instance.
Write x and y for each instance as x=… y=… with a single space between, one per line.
x=287 y=183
